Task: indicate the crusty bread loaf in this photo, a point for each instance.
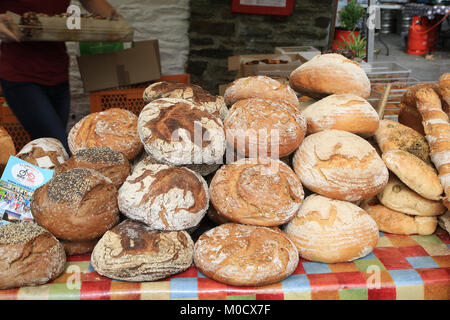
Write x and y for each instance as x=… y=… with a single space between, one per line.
x=414 y=172
x=165 y=89
x=73 y=248
x=46 y=153
x=29 y=256
x=76 y=205
x=244 y=255
x=444 y=221
x=179 y=132
x=444 y=90
x=132 y=251
x=409 y=97
x=108 y=162
x=410 y=117
x=344 y=111
x=115 y=128
x=164 y=197
x=395 y=222
x=259 y=192
x=393 y=135
x=437 y=129
x=260 y=128
x=397 y=196
x=7 y=147
x=332 y=231
x=261 y=87
x=330 y=73
x=340 y=165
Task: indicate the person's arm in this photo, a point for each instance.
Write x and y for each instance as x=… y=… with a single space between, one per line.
x=5 y=34
x=100 y=7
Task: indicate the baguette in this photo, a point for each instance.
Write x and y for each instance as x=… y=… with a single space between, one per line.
x=437 y=132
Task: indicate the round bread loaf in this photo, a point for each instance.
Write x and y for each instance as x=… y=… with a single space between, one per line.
x=397 y=196
x=260 y=128
x=46 y=153
x=444 y=221
x=76 y=205
x=345 y=111
x=110 y=163
x=340 y=165
x=395 y=222
x=261 y=87
x=73 y=248
x=215 y=217
x=164 y=89
x=410 y=117
x=332 y=231
x=29 y=256
x=243 y=255
x=415 y=173
x=132 y=251
x=7 y=147
x=178 y=132
x=115 y=128
x=164 y=197
x=330 y=73
x=260 y=192
x=393 y=135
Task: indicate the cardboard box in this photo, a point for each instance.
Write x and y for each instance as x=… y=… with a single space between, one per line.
x=306 y=52
x=138 y=64
x=271 y=70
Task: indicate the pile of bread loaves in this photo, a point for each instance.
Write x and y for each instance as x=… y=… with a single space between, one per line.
x=279 y=181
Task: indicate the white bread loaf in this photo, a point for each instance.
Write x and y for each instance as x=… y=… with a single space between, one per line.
x=437 y=130
x=330 y=73
x=332 y=231
x=46 y=153
x=340 y=165
x=344 y=111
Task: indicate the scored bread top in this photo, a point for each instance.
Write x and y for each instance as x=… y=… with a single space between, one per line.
x=179 y=132
x=46 y=153
x=164 y=197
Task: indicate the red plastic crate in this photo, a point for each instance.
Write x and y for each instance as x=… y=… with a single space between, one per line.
x=130 y=98
x=9 y=121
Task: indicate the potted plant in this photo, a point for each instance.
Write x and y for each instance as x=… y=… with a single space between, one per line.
x=349 y=18
x=356 y=45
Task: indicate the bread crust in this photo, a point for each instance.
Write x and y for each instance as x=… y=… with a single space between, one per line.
x=414 y=172
x=164 y=197
x=73 y=248
x=244 y=255
x=179 y=132
x=340 y=165
x=29 y=256
x=110 y=163
x=261 y=87
x=327 y=74
x=395 y=222
x=397 y=196
x=410 y=117
x=46 y=153
x=332 y=231
x=264 y=128
x=115 y=128
x=258 y=192
x=7 y=147
x=164 y=89
x=76 y=205
x=346 y=112
x=132 y=251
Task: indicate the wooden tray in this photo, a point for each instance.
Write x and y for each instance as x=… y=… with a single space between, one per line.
x=56 y=29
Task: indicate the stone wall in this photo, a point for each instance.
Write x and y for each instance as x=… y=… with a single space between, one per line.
x=216 y=33
x=165 y=20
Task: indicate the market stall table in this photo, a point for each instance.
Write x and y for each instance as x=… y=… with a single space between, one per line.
x=400 y=267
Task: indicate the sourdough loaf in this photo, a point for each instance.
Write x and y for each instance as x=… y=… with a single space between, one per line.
x=46 y=153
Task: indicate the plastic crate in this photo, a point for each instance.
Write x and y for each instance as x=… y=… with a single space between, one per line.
x=129 y=98
x=379 y=72
x=9 y=121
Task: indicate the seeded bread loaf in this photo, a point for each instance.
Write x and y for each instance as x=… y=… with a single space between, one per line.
x=244 y=255
x=29 y=256
x=76 y=205
x=132 y=251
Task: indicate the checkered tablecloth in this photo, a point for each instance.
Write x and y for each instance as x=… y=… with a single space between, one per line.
x=400 y=267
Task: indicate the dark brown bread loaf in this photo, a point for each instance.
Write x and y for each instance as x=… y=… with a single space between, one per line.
x=73 y=248
x=79 y=204
x=29 y=256
x=133 y=251
x=108 y=162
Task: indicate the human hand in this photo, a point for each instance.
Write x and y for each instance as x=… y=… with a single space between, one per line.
x=6 y=35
